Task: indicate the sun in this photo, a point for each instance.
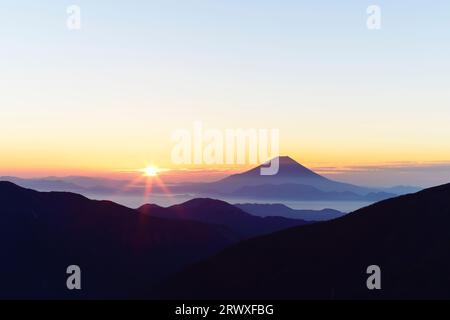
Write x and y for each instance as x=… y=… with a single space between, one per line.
x=150 y=171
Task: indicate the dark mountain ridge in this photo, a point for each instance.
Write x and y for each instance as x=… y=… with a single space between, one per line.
x=222 y=213
x=408 y=237
x=121 y=252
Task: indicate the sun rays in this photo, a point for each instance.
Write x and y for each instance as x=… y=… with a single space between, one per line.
x=150 y=182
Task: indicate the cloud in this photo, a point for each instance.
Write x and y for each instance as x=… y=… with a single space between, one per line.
x=423 y=174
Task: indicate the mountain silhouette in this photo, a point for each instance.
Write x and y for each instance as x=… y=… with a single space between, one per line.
x=120 y=251
x=289 y=168
x=222 y=213
x=292 y=182
x=407 y=237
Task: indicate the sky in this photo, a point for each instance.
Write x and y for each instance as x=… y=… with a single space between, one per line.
x=108 y=97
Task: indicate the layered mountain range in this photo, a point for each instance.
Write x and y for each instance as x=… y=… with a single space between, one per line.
x=122 y=252
x=209 y=249
x=406 y=237
x=293 y=182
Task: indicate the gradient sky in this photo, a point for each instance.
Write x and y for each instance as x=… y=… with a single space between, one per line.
x=108 y=97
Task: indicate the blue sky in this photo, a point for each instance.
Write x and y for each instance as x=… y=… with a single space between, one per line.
x=340 y=94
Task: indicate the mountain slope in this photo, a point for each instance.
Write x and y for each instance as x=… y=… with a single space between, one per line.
x=222 y=213
x=290 y=174
x=408 y=237
x=121 y=252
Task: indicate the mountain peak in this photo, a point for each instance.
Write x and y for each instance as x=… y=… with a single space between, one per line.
x=287 y=160
x=288 y=167
x=289 y=171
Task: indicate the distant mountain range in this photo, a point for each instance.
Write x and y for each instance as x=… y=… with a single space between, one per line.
x=293 y=182
x=290 y=173
x=407 y=237
x=278 y=209
x=301 y=192
x=83 y=185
